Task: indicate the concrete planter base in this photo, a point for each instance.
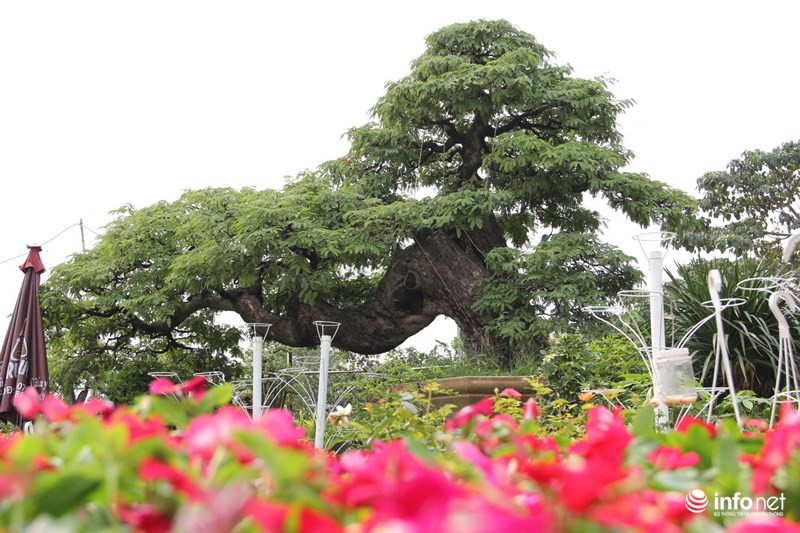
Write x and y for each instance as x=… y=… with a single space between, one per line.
x=470 y=389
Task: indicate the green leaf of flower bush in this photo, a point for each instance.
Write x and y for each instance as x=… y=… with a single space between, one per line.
x=216 y=397
x=644 y=423
x=60 y=492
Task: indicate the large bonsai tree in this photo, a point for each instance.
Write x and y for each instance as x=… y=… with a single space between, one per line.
x=464 y=198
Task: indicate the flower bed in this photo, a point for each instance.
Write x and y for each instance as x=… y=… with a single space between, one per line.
x=184 y=460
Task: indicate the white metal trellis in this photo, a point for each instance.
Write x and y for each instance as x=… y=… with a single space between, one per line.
x=787 y=366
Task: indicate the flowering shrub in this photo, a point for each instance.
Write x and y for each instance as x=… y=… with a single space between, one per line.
x=182 y=459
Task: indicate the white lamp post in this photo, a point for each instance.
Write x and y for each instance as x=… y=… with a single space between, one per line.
x=653 y=245
x=326 y=331
x=258 y=332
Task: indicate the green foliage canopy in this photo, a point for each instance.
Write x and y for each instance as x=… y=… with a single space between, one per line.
x=752 y=205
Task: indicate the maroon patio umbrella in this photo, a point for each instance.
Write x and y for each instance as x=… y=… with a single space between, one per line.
x=24 y=360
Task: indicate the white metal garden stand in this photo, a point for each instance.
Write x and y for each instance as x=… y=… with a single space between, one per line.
x=787 y=366
x=625 y=316
x=721 y=355
x=258 y=332
x=326 y=331
x=655 y=246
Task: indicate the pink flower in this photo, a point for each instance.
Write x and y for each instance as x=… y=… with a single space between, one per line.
x=417 y=498
x=760 y=426
x=222 y=512
x=466 y=414
x=531 y=410
x=54 y=409
x=396 y=485
x=15 y=485
x=672 y=457
x=501 y=422
x=477 y=513
x=7 y=442
x=206 y=433
x=495 y=431
x=646 y=510
x=764 y=524
x=511 y=392
x=27 y=403
x=95 y=406
x=163 y=387
x=280 y=426
x=493 y=471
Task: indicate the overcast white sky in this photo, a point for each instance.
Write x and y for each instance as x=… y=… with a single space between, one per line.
x=104 y=103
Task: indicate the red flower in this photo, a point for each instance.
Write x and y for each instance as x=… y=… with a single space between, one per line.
x=268 y=516
x=42 y=463
x=195 y=386
x=271 y=518
x=152 y=470
x=536 y=452
x=671 y=457
x=607 y=437
x=597 y=460
x=688 y=421
x=314 y=522
x=582 y=483
x=144 y=518
x=139 y=429
x=779 y=445
x=27 y=403
x=466 y=414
